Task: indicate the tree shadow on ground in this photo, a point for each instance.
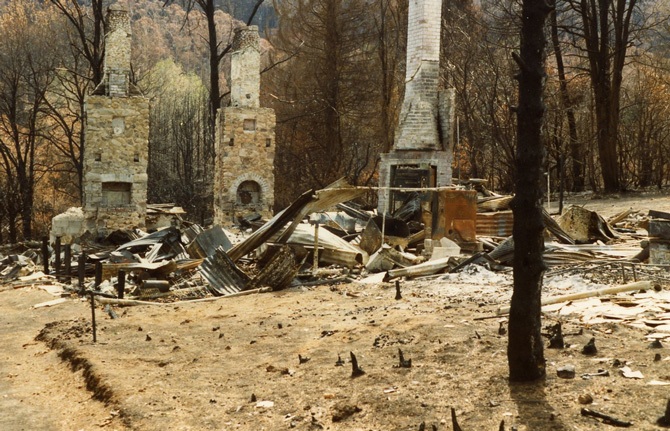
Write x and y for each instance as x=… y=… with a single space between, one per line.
x=535 y=411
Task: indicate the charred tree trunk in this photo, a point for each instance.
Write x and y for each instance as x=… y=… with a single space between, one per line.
x=214 y=61
x=525 y=351
x=575 y=148
x=607 y=35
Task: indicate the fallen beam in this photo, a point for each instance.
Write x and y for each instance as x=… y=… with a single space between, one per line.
x=128 y=302
x=639 y=285
x=426 y=268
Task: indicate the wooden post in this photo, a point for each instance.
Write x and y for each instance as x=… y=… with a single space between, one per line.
x=57 y=253
x=81 y=271
x=316 y=246
x=121 y=284
x=45 y=254
x=98 y=274
x=68 y=263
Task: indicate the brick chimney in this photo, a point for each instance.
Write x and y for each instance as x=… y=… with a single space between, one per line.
x=422 y=152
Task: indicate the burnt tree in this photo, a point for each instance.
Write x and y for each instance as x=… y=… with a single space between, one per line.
x=575 y=147
x=524 y=350
x=608 y=28
x=87 y=39
x=81 y=70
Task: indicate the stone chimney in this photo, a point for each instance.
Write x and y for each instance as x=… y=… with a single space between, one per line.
x=245 y=139
x=117 y=51
x=117 y=139
x=245 y=68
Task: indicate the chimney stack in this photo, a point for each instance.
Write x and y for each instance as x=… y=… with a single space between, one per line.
x=245 y=68
x=117 y=51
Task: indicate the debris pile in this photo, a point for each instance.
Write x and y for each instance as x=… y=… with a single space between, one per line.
x=325 y=237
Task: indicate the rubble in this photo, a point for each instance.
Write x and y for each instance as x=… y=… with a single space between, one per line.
x=585 y=226
x=184 y=261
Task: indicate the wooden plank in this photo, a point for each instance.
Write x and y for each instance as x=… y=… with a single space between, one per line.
x=639 y=285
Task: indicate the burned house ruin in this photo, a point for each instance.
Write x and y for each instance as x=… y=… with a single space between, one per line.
x=117 y=138
x=117 y=141
x=245 y=147
x=422 y=152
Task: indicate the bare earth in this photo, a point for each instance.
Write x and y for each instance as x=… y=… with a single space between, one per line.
x=197 y=366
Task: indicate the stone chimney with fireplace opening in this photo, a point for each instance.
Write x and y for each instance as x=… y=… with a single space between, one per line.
x=117 y=138
x=245 y=139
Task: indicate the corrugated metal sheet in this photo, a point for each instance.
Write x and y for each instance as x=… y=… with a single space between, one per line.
x=223 y=275
x=163 y=244
x=189 y=234
x=495 y=224
x=207 y=242
x=307 y=203
x=556 y=258
x=270 y=228
x=279 y=271
x=332 y=248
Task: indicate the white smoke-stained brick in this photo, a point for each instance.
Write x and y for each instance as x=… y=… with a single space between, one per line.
x=423 y=33
x=424 y=136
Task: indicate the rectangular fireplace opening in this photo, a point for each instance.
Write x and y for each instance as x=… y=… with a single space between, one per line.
x=410 y=176
x=116 y=194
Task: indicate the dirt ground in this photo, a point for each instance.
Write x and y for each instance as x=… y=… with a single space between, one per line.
x=233 y=364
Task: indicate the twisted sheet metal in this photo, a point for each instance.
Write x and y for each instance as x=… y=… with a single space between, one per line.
x=223 y=275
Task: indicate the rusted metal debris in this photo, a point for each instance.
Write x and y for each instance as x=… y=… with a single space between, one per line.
x=223 y=275
x=279 y=271
x=585 y=226
x=352 y=241
x=205 y=243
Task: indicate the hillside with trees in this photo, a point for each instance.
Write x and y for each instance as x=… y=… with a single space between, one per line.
x=333 y=71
